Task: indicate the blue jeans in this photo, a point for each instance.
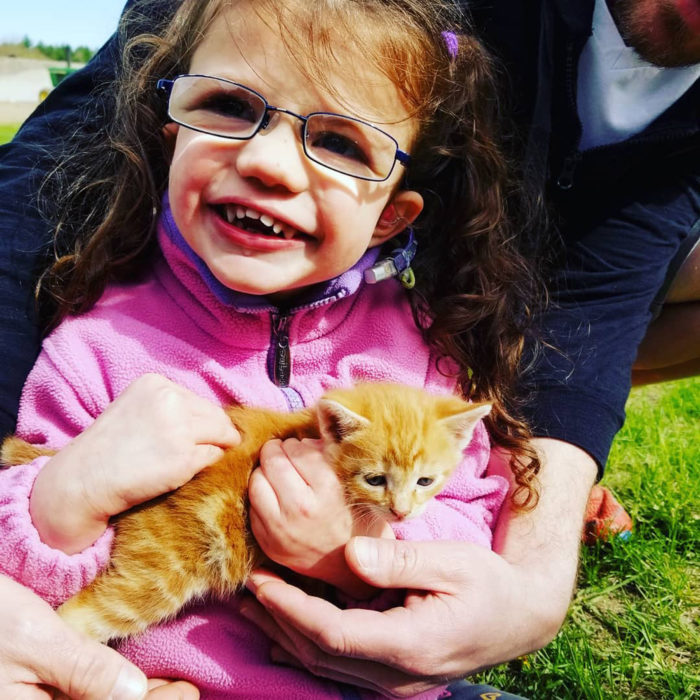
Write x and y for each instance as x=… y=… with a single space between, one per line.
x=463 y=690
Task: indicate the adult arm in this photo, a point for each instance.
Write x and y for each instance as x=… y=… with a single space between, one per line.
x=39 y=652
x=24 y=233
x=81 y=101
x=475 y=608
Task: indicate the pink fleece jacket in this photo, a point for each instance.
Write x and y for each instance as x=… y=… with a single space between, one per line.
x=181 y=323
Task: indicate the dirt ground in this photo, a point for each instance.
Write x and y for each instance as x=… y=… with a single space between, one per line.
x=21 y=82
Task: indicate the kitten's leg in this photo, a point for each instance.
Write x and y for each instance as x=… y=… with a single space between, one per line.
x=15 y=451
x=164 y=556
x=153 y=572
x=119 y=604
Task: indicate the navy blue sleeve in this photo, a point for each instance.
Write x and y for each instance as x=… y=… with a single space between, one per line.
x=605 y=292
x=24 y=235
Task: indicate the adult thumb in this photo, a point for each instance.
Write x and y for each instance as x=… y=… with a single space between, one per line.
x=83 y=669
x=434 y=566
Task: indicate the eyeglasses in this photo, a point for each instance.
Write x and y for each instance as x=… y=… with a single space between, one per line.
x=223 y=108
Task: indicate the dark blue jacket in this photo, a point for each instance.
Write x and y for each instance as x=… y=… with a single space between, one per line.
x=626 y=215
x=540 y=42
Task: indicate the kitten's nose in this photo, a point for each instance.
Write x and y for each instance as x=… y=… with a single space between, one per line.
x=400 y=513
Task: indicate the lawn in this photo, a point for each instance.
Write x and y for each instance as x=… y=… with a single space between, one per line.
x=7 y=131
x=633 y=629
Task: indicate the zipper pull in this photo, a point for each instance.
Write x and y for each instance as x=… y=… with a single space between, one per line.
x=565 y=181
x=282 y=366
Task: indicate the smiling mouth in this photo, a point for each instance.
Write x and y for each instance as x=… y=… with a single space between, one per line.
x=254 y=221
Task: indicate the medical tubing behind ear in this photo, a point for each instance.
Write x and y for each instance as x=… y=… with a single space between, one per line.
x=396 y=264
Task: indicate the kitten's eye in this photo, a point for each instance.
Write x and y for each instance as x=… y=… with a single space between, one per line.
x=377 y=480
x=425 y=481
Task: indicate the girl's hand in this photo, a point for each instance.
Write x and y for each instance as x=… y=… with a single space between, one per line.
x=299 y=516
x=152 y=439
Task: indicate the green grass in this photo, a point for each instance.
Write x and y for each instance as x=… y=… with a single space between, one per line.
x=7 y=131
x=633 y=629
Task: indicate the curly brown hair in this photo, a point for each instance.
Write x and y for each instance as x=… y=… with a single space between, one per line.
x=475 y=287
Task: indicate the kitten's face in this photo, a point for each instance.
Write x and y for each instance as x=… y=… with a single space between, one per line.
x=395 y=447
x=397 y=486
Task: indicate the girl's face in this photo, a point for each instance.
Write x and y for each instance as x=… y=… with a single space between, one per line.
x=327 y=219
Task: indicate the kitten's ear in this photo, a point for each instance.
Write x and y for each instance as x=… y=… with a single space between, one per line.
x=336 y=422
x=462 y=424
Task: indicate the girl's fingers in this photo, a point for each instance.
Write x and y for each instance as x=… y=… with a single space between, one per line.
x=308 y=460
x=264 y=504
x=160 y=689
x=210 y=424
x=281 y=473
x=204 y=455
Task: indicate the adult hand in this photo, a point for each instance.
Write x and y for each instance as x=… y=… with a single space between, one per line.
x=151 y=439
x=467 y=608
x=41 y=657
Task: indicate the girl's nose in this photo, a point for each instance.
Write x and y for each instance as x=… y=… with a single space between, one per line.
x=275 y=157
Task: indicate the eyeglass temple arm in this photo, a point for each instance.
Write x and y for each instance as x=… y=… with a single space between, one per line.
x=164 y=85
x=403 y=157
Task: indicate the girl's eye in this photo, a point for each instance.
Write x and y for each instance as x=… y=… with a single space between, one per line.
x=231 y=106
x=377 y=480
x=425 y=481
x=339 y=145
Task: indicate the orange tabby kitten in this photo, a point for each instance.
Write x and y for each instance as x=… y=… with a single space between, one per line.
x=393 y=447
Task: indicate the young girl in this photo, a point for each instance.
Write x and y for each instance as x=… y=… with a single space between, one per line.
x=229 y=237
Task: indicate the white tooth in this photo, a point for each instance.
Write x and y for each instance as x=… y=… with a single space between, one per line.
x=267 y=220
x=252 y=214
x=276 y=228
x=240 y=212
x=230 y=213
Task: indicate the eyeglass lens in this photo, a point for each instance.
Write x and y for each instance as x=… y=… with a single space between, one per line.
x=226 y=109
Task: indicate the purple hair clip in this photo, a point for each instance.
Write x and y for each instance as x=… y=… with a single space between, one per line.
x=452 y=43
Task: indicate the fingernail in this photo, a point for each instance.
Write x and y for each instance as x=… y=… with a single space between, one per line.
x=366 y=553
x=130 y=685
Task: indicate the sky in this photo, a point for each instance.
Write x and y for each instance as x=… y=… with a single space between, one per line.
x=58 y=22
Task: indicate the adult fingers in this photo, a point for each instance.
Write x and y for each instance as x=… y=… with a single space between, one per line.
x=427 y=566
x=293 y=647
x=81 y=668
x=365 y=674
x=364 y=634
